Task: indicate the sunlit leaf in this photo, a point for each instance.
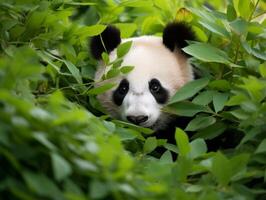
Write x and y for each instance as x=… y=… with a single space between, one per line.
x=182 y=142
x=198 y=148
x=91 y=30
x=200 y=123
x=185 y=109
x=123 y=49
x=74 y=71
x=207 y=53
x=150 y=144
x=126 y=69
x=189 y=90
x=101 y=89
x=245 y=8
x=183 y=15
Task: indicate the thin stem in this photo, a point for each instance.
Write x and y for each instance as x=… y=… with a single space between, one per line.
x=103 y=43
x=258 y=15
x=253 y=11
x=249 y=19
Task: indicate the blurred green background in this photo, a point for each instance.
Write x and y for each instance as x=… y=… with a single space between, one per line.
x=55 y=141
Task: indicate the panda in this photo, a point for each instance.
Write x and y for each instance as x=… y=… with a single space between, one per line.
x=161 y=68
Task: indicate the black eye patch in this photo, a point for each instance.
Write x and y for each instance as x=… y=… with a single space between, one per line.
x=120 y=92
x=158 y=91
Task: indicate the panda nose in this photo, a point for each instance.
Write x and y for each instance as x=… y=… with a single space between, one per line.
x=137 y=119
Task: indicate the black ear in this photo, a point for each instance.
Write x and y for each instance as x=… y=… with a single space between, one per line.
x=175 y=35
x=111 y=39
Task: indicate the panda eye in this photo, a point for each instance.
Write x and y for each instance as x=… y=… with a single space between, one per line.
x=123 y=87
x=154 y=86
x=158 y=91
x=120 y=93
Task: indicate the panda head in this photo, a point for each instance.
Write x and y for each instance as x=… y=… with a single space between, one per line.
x=160 y=69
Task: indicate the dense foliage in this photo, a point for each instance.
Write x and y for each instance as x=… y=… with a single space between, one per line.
x=55 y=143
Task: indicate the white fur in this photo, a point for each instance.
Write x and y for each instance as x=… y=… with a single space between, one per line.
x=151 y=59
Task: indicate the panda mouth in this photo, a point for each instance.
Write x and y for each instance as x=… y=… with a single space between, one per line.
x=149 y=124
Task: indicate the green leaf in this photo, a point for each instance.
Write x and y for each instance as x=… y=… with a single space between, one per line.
x=245 y=7
x=166 y=157
x=123 y=49
x=98 y=189
x=239 y=162
x=204 y=98
x=221 y=85
x=198 y=148
x=211 y=131
x=71 y=187
x=200 y=33
x=85 y=165
x=182 y=142
x=117 y=63
x=262 y=147
x=171 y=147
x=126 y=29
x=137 y=3
x=240 y=114
x=90 y=31
x=221 y=169
x=40 y=137
x=101 y=89
x=114 y=72
x=231 y=13
x=149 y=145
x=35 y=20
x=189 y=90
x=200 y=123
x=207 y=53
x=262 y=70
x=187 y=109
x=105 y=58
x=42 y=185
x=249 y=107
x=182 y=169
x=80 y=3
x=74 y=71
x=61 y=167
x=236 y=100
x=183 y=15
x=239 y=26
x=134 y=127
x=126 y=69
x=215 y=27
x=219 y=101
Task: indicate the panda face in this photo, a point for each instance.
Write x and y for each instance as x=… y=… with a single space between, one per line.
x=140 y=104
x=160 y=69
x=158 y=73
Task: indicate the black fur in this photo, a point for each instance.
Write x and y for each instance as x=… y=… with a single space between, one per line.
x=176 y=34
x=111 y=39
x=121 y=91
x=160 y=93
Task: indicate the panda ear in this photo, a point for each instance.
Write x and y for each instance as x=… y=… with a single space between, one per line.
x=108 y=40
x=175 y=35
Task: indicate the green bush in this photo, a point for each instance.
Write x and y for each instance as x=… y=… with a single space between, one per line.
x=56 y=144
